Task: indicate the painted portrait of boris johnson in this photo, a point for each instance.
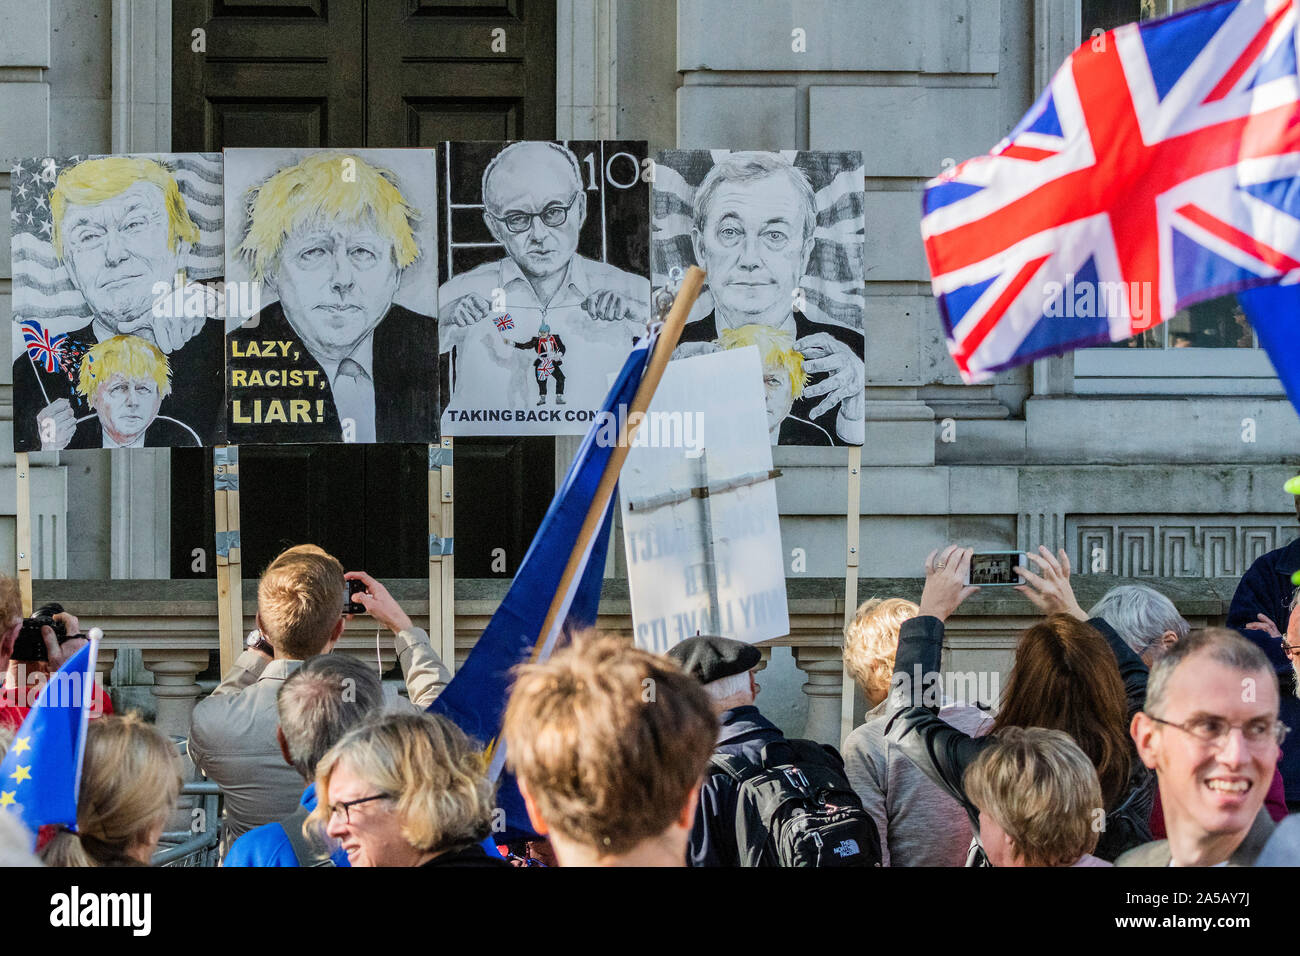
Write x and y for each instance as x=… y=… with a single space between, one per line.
x=780 y=235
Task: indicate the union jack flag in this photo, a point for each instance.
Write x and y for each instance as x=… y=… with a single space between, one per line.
x=504 y=322
x=544 y=368
x=1160 y=168
x=43 y=349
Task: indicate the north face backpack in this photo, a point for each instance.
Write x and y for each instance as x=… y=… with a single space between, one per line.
x=797 y=809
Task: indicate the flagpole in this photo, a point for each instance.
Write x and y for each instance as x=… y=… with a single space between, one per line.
x=87 y=701
x=668 y=336
x=23 y=530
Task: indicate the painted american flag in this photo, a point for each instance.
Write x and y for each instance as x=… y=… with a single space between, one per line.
x=42 y=290
x=1159 y=169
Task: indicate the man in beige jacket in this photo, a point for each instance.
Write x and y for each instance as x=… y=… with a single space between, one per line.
x=300 y=600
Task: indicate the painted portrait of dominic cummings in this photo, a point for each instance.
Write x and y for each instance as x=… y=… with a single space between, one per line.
x=547 y=288
x=102 y=247
x=337 y=240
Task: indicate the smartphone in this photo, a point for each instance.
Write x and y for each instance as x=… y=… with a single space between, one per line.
x=993 y=569
x=350 y=606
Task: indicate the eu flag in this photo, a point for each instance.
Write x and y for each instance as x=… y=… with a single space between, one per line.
x=476 y=697
x=40 y=777
x=1274 y=312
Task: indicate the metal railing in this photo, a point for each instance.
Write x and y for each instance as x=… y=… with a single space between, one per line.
x=197 y=846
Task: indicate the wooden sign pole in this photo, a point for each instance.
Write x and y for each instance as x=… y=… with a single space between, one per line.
x=848 y=692
x=230 y=590
x=688 y=292
x=23 y=527
x=442 y=561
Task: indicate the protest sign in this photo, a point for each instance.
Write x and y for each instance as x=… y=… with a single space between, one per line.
x=698 y=500
x=781 y=238
x=117 y=339
x=546 y=281
x=344 y=346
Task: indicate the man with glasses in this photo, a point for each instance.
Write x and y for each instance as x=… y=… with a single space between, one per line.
x=1210 y=730
x=534 y=205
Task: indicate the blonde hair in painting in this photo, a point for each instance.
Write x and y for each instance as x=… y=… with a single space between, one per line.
x=326 y=186
x=774 y=345
x=129 y=355
x=96 y=180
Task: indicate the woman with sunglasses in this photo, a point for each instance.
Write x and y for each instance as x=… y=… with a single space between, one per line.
x=406 y=790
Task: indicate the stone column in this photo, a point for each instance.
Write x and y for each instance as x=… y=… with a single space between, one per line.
x=824 y=666
x=174 y=687
x=104 y=659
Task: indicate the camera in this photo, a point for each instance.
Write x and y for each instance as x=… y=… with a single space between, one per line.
x=350 y=606
x=30 y=646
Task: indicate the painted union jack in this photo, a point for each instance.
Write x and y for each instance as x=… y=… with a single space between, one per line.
x=504 y=323
x=544 y=368
x=1160 y=168
x=43 y=348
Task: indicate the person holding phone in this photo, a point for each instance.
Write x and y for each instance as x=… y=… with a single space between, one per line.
x=1064 y=678
x=300 y=613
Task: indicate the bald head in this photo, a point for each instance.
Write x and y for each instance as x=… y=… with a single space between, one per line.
x=521 y=171
x=534 y=205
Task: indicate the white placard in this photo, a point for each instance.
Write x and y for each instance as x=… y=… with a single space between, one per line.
x=704 y=563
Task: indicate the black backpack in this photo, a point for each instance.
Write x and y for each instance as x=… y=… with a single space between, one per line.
x=797 y=808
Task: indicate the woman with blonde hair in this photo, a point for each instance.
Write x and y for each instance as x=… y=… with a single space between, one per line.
x=405 y=790
x=130 y=781
x=1039 y=799
x=919 y=823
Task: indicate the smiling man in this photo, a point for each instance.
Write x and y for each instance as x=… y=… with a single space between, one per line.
x=120 y=228
x=1210 y=731
x=334 y=359
x=753 y=233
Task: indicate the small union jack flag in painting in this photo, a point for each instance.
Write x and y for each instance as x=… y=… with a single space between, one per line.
x=43 y=348
x=504 y=322
x=544 y=369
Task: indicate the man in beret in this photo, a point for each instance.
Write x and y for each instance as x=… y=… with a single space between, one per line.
x=726 y=669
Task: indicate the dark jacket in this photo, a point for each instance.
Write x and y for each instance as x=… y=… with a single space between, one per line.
x=196 y=396
x=713 y=839
x=943 y=752
x=404 y=371
x=163 y=432
x=467 y=856
x=706 y=330
x=1266 y=588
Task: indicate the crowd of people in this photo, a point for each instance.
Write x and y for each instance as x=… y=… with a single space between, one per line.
x=1121 y=737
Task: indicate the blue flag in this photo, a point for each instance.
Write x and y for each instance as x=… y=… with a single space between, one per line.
x=475 y=699
x=1274 y=312
x=40 y=777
